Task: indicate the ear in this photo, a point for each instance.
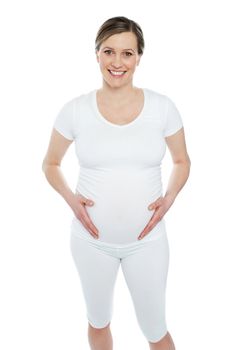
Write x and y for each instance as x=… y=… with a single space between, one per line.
x=138 y=60
x=97 y=56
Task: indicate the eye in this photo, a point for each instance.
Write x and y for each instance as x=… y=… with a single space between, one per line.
x=128 y=54
x=107 y=51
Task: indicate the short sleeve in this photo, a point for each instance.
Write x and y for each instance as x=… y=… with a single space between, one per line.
x=173 y=120
x=64 y=120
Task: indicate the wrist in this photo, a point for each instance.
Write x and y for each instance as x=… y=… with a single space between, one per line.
x=69 y=197
x=170 y=197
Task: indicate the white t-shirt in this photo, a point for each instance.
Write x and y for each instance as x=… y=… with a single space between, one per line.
x=119 y=164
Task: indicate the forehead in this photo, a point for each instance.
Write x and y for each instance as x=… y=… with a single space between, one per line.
x=121 y=41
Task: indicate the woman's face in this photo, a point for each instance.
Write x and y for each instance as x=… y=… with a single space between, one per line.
x=119 y=54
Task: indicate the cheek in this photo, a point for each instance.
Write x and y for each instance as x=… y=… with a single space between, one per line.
x=105 y=65
x=104 y=59
x=131 y=64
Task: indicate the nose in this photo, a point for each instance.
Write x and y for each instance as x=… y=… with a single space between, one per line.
x=116 y=61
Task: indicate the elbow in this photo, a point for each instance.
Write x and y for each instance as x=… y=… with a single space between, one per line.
x=188 y=165
x=188 y=161
x=43 y=167
x=46 y=165
x=184 y=164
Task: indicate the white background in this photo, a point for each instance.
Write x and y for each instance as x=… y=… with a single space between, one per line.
x=48 y=58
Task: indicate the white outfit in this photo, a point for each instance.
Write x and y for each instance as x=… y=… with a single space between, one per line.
x=120 y=171
x=144 y=267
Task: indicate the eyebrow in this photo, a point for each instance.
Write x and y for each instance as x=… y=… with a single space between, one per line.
x=107 y=47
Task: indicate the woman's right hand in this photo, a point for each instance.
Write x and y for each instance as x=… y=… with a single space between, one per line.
x=78 y=207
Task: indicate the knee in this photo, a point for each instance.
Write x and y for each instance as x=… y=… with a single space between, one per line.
x=166 y=342
x=154 y=332
x=158 y=339
x=99 y=327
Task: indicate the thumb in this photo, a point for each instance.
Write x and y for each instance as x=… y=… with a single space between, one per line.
x=151 y=206
x=86 y=201
x=89 y=202
x=155 y=204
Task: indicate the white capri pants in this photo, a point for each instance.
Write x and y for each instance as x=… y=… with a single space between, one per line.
x=144 y=265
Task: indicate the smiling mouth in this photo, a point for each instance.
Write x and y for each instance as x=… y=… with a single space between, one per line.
x=116 y=73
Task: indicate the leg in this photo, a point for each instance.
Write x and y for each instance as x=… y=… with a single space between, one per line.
x=97 y=271
x=145 y=273
x=166 y=343
x=100 y=338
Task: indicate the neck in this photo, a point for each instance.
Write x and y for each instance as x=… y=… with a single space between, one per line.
x=118 y=95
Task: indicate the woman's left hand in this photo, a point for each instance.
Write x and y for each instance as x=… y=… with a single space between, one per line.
x=161 y=206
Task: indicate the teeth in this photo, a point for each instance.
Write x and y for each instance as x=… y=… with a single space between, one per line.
x=116 y=73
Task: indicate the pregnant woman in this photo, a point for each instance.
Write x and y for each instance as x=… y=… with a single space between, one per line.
x=120 y=132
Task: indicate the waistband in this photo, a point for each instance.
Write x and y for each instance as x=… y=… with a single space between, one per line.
x=97 y=242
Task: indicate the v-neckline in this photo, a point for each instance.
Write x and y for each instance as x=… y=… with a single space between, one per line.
x=103 y=119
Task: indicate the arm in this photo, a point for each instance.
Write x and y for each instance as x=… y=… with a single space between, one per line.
x=179 y=175
x=181 y=164
x=57 y=148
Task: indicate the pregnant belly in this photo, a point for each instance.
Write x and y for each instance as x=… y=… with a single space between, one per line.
x=121 y=212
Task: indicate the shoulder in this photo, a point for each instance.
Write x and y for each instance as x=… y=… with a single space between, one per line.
x=155 y=94
x=157 y=97
x=157 y=100
x=79 y=99
x=84 y=97
x=160 y=99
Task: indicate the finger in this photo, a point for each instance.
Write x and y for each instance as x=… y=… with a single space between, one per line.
x=146 y=229
x=84 y=200
x=156 y=219
x=87 y=201
x=152 y=223
x=88 y=223
x=86 y=218
x=91 y=226
x=155 y=204
x=89 y=229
